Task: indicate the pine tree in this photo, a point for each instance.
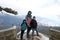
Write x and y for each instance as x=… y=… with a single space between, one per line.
x=9 y=10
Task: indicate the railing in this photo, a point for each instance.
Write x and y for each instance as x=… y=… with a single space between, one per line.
x=54 y=34
x=8 y=34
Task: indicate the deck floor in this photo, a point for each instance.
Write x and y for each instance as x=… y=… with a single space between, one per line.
x=40 y=37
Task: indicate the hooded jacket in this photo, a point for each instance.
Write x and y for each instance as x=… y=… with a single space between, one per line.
x=33 y=23
x=23 y=26
x=28 y=19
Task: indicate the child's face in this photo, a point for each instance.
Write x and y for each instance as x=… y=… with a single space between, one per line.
x=24 y=21
x=34 y=18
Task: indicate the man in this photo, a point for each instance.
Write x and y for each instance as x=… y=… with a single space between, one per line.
x=28 y=20
x=33 y=24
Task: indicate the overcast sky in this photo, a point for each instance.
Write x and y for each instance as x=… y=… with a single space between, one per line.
x=44 y=8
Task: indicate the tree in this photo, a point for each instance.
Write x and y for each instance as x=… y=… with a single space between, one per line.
x=9 y=10
x=0 y=8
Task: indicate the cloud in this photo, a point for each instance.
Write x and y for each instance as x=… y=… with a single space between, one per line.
x=44 y=8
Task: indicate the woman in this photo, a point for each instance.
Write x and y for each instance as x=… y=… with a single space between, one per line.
x=28 y=20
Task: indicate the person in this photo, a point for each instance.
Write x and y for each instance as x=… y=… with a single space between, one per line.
x=33 y=24
x=23 y=28
x=28 y=20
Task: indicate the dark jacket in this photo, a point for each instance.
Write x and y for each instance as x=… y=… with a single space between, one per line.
x=33 y=23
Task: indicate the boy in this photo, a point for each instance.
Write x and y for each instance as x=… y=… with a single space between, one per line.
x=23 y=28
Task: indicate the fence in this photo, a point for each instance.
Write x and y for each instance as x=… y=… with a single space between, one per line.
x=54 y=34
x=8 y=34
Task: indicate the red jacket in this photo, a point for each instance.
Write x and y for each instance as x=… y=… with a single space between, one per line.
x=28 y=20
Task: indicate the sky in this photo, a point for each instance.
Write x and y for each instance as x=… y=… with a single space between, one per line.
x=44 y=8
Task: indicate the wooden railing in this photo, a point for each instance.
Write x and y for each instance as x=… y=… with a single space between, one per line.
x=8 y=34
x=54 y=34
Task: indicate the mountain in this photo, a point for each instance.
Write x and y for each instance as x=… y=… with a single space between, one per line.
x=6 y=20
x=46 y=21
x=45 y=29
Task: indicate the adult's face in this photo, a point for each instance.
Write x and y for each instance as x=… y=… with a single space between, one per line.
x=29 y=12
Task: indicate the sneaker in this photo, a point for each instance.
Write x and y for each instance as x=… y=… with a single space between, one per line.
x=28 y=36
x=38 y=35
x=21 y=39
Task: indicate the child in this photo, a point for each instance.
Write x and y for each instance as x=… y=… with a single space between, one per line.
x=33 y=24
x=23 y=28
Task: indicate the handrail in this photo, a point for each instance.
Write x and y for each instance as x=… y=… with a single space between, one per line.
x=55 y=30
x=14 y=27
x=54 y=34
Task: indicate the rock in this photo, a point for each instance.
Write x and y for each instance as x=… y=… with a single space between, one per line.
x=8 y=34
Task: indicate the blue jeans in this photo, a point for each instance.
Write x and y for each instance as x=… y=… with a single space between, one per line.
x=34 y=29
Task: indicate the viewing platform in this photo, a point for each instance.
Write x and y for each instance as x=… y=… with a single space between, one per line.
x=35 y=37
x=10 y=34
